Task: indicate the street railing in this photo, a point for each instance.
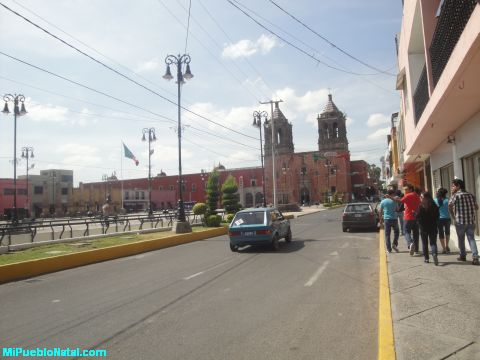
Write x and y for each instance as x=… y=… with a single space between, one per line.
x=61 y=227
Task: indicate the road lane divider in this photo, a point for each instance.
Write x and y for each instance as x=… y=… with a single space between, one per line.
x=386 y=341
x=317 y=274
x=26 y=269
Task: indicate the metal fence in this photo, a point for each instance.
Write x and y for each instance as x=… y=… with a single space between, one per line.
x=58 y=229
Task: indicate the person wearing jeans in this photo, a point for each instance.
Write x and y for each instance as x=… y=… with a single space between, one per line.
x=411 y=200
x=428 y=216
x=388 y=216
x=464 y=206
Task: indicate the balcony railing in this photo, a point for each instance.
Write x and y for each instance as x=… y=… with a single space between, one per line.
x=421 y=95
x=453 y=18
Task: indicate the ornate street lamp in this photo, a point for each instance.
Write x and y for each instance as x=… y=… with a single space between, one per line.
x=257 y=121
x=16 y=112
x=27 y=153
x=151 y=137
x=181 y=226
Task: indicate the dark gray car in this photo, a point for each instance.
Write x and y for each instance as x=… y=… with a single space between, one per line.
x=361 y=215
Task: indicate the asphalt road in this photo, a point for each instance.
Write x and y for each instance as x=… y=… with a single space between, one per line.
x=317 y=298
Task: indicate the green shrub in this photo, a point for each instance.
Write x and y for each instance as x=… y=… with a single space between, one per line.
x=327 y=205
x=229 y=218
x=230 y=197
x=213 y=220
x=199 y=208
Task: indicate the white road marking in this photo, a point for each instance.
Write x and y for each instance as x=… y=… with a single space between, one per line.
x=194 y=275
x=335 y=253
x=344 y=246
x=317 y=274
x=204 y=271
x=55 y=301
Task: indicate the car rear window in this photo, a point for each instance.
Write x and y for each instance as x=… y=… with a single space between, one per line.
x=358 y=208
x=249 y=218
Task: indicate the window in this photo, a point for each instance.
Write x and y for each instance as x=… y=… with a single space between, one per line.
x=38 y=190
x=194 y=187
x=160 y=188
x=8 y=191
x=137 y=195
x=67 y=178
x=126 y=195
x=172 y=187
x=253 y=182
x=142 y=195
x=64 y=191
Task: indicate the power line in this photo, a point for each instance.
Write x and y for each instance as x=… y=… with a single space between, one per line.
x=230 y=39
x=291 y=44
x=116 y=117
x=329 y=42
x=188 y=25
x=118 y=72
x=209 y=51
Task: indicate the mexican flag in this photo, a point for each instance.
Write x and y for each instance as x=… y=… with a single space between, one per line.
x=129 y=154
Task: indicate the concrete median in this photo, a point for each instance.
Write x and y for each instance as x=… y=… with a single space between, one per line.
x=26 y=269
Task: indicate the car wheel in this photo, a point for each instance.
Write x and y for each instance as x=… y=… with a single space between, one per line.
x=275 y=243
x=233 y=247
x=288 y=237
x=344 y=229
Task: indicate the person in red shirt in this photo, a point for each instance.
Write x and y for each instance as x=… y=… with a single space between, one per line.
x=411 y=201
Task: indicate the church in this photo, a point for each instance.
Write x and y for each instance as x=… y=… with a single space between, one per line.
x=322 y=175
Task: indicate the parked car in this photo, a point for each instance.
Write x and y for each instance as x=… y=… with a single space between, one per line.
x=359 y=215
x=259 y=226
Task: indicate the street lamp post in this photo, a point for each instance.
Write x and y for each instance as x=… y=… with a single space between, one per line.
x=54 y=179
x=302 y=173
x=257 y=121
x=27 y=153
x=151 y=137
x=16 y=112
x=182 y=225
x=105 y=179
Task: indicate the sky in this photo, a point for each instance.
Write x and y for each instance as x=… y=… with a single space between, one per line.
x=81 y=107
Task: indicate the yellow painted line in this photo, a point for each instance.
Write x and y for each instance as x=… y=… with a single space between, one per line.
x=386 y=342
x=26 y=269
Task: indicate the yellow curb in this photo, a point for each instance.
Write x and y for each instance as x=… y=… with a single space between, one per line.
x=26 y=269
x=386 y=342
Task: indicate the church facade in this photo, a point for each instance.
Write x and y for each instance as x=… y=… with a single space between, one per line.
x=317 y=176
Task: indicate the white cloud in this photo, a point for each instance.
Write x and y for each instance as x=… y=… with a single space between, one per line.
x=149 y=65
x=377 y=119
x=246 y=48
x=349 y=121
x=379 y=134
x=47 y=113
x=79 y=155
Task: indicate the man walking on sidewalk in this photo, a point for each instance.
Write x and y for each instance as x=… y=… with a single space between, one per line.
x=388 y=217
x=411 y=200
x=463 y=205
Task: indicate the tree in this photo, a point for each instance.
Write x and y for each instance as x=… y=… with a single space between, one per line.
x=230 y=197
x=213 y=193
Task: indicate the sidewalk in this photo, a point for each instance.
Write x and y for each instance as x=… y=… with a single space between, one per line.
x=435 y=309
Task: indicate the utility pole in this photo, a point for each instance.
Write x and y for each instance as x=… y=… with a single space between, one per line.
x=274 y=176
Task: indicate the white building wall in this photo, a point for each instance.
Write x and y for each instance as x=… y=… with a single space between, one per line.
x=467 y=142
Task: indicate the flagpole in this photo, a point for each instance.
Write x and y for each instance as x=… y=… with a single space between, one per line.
x=121 y=174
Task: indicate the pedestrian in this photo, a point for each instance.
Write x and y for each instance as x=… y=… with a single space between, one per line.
x=411 y=200
x=444 y=222
x=463 y=205
x=427 y=217
x=400 y=209
x=388 y=217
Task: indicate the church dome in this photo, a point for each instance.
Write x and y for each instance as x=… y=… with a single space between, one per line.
x=330 y=106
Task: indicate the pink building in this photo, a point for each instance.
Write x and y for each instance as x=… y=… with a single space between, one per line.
x=6 y=196
x=439 y=81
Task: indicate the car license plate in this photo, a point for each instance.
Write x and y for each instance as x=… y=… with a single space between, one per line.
x=358 y=215
x=248 y=233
